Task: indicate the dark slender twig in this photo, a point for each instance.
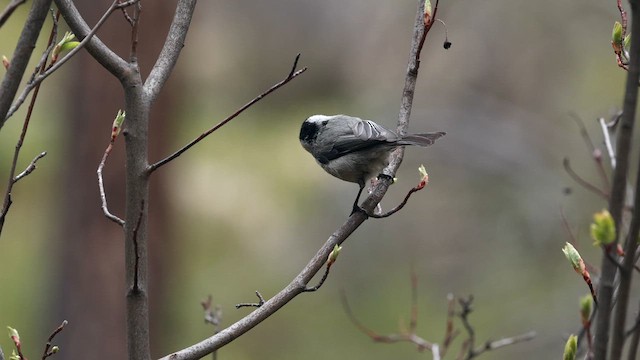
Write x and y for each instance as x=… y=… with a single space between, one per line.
x=21 y=55
x=9 y=9
x=260 y=302
x=50 y=70
x=292 y=75
x=49 y=349
x=595 y=152
x=136 y=267
x=322 y=280
x=450 y=332
x=587 y=185
x=397 y=208
x=410 y=337
x=133 y=54
x=126 y=16
x=25 y=126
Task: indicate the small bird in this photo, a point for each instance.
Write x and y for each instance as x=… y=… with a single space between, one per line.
x=353 y=149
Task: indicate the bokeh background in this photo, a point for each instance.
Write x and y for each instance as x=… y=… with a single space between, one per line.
x=246 y=209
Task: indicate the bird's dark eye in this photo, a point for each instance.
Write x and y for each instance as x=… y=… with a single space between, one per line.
x=308 y=131
x=325 y=122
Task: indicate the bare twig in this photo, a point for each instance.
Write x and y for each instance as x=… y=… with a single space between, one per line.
x=292 y=74
x=9 y=9
x=135 y=22
x=397 y=208
x=50 y=70
x=410 y=337
x=25 y=126
x=322 y=280
x=49 y=349
x=493 y=345
x=213 y=316
x=126 y=16
x=21 y=55
x=103 y=195
x=607 y=141
x=260 y=302
x=472 y=352
x=450 y=333
x=596 y=153
x=31 y=167
x=584 y=183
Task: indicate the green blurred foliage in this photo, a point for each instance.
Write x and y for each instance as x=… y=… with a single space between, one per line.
x=250 y=207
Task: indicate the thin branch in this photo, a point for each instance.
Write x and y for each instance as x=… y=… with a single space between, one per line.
x=450 y=333
x=11 y=7
x=584 y=183
x=292 y=75
x=108 y=59
x=596 y=153
x=25 y=126
x=30 y=168
x=493 y=345
x=171 y=48
x=103 y=195
x=397 y=208
x=298 y=284
x=135 y=24
x=607 y=141
x=322 y=280
x=21 y=55
x=260 y=302
x=410 y=337
x=48 y=348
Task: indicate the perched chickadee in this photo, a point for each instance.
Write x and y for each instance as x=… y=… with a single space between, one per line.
x=353 y=149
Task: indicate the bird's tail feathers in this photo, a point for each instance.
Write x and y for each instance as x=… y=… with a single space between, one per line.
x=425 y=139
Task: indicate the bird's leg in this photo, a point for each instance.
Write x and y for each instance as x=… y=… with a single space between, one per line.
x=357 y=208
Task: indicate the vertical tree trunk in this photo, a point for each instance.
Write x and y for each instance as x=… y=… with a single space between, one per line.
x=90 y=249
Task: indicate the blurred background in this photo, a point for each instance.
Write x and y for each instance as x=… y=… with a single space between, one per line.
x=247 y=208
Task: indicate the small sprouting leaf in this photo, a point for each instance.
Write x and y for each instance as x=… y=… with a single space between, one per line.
x=571 y=348
x=333 y=256
x=117 y=124
x=616 y=34
x=574 y=258
x=603 y=229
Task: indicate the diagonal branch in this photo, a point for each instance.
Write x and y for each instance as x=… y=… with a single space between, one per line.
x=171 y=49
x=292 y=75
x=11 y=7
x=298 y=284
x=100 y=52
x=21 y=55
